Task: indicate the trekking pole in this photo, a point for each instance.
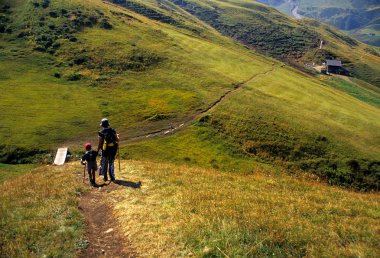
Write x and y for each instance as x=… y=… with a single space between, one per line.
x=118 y=151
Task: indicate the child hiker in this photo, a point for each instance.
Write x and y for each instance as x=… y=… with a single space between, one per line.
x=89 y=157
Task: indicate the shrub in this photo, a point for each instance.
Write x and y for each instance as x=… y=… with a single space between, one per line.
x=53 y=14
x=63 y=12
x=74 y=77
x=78 y=60
x=104 y=23
x=45 y=4
x=20 y=155
x=55 y=45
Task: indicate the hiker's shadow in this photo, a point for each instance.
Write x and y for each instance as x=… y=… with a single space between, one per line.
x=128 y=183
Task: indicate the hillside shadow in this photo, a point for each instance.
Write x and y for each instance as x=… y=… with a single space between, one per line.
x=128 y=183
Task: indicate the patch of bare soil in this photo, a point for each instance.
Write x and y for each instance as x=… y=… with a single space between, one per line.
x=101 y=228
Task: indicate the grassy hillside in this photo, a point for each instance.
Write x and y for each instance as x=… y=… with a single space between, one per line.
x=152 y=66
x=160 y=74
x=11 y=171
x=39 y=212
x=282 y=118
x=297 y=41
x=357 y=88
x=182 y=211
x=188 y=211
x=359 y=17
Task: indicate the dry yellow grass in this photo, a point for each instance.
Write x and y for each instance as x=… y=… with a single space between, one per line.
x=188 y=211
x=181 y=211
x=39 y=214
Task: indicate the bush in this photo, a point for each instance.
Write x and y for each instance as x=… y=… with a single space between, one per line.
x=78 y=60
x=104 y=23
x=21 y=155
x=45 y=4
x=74 y=77
x=53 y=14
x=55 y=45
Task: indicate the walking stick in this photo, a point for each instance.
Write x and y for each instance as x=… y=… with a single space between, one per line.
x=118 y=151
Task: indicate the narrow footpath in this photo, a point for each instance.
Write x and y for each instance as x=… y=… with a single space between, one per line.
x=102 y=232
x=175 y=128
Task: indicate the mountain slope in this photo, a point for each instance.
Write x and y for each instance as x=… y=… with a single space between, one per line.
x=149 y=66
x=358 y=17
x=296 y=41
x=162 y=72
x=184 y=211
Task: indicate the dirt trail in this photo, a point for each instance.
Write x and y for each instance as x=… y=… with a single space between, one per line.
x=102 y=229
x=175 y=128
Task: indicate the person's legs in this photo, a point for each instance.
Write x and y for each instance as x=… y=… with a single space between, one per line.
x=89 y=172
x=112 y=167
x=101 y=167
x=93 y=175
x=105 y=166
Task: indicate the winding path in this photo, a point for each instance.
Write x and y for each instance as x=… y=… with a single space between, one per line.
x=173 y=129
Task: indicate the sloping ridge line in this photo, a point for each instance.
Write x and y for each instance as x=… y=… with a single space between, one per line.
x=173 y=129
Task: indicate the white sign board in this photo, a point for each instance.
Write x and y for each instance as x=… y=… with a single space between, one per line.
x=60 y=157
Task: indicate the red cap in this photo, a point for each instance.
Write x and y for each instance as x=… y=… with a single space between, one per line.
x=87 y=146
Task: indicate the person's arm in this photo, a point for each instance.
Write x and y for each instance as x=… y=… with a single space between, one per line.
x=100 y=143
x=83 y=160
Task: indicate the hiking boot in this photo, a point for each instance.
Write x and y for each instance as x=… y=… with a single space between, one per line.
x=112 y=179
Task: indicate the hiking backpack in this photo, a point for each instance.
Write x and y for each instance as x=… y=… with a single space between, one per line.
x=109 y=138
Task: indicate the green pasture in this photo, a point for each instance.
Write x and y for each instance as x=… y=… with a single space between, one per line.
x=358 y=89
x=40 y=109
x=8 y=172
x=145 y=75
x=278 y=118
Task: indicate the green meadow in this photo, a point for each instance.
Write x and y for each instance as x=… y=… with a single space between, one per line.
x=358 y=89
x=191 y=75
x=148 y=69
x=284 y=119
x=8 y=172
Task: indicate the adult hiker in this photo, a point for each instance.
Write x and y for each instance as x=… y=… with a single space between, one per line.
x=108 y=143
x=89 y=159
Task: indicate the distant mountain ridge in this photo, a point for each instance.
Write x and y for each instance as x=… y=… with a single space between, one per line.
x=360 y=18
